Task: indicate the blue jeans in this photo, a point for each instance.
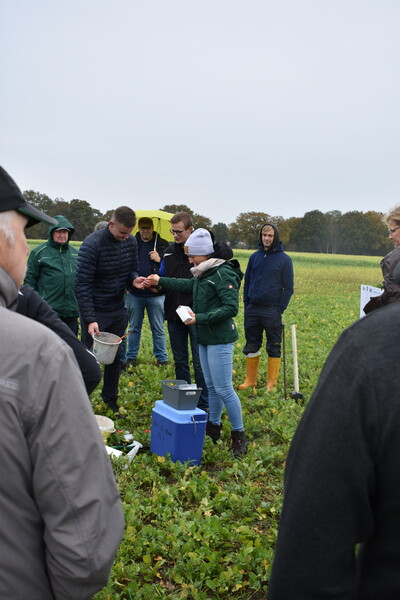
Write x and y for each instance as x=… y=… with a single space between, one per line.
x=136 y=305
x=179 y=335
x=216 y=362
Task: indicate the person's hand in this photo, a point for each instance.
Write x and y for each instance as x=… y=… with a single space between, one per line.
x=193 y=319
x=153 y=279
x=139 y=283
x=93 y=329
x=154 y=256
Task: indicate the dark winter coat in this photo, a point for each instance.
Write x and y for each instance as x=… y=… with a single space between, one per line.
x=146 y=265
x=342 y=484
x=176 y=264
x=215 y=301
x=106 y=267
x=268 y=280
x=31 y=305
x=51 y=271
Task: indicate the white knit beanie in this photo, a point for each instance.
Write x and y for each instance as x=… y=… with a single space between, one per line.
x=199 y=243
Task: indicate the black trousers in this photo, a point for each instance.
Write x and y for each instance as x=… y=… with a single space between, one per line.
x=258 y=319
x=111 y=322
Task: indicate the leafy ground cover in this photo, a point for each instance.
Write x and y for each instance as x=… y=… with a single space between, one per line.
x=208 y=532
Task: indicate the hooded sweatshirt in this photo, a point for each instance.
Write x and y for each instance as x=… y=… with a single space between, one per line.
x=51 y=271
x=269 y=276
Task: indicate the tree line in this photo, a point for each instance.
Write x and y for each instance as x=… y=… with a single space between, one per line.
x=332 y=232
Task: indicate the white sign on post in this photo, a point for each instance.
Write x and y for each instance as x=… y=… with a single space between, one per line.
x=366 y=293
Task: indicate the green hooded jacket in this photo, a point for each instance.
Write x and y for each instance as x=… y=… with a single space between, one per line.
x=215 y=300
x=51 y=271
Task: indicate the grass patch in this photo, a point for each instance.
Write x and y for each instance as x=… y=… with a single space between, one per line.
x=209 y=532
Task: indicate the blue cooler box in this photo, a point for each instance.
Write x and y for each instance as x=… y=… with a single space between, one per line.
x=178 y=432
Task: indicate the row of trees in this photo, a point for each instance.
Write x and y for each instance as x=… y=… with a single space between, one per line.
x=331 y=232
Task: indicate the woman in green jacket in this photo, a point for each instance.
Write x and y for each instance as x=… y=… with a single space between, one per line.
x=215 y=287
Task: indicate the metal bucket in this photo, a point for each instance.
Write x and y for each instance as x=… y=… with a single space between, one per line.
x=105 y=347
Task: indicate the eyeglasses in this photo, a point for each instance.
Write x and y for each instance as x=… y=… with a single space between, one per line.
x=177 y=231
x=394 y=229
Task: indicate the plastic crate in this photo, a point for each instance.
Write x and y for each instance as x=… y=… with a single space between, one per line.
x=179 y=394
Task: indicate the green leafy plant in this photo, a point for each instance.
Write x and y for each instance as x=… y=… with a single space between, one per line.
x=208 y=532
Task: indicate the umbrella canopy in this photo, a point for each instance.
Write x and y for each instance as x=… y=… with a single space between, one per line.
x=161 y=222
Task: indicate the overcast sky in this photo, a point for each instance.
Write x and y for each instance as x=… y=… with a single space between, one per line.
x=227 y=106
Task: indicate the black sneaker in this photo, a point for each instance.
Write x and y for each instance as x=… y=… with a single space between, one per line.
x=162 y=363
x=115 y=408
x=131 y=362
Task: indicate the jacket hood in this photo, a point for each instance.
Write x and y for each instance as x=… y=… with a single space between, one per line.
x=64 y=223
x=276 y=243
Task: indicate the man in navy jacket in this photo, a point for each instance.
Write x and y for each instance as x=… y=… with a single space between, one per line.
x=107 y=265
x=268 y=287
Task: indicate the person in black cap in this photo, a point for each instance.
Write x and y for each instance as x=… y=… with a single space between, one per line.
x=51 y=271
x=62 y=517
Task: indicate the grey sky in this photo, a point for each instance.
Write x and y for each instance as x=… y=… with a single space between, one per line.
x=227 y=106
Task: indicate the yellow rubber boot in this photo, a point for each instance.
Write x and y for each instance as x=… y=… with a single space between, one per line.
x=273 y=372
x=252 y=364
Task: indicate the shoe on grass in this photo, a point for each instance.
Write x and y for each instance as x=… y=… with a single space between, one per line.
x=131 y=362
x=213 y=431
x=239 y=443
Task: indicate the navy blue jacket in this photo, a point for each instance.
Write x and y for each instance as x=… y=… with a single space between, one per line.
x=146 y=265
x=269 y=276
x=105 y=269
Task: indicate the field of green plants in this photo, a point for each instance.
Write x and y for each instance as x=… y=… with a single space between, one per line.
x=208 y=532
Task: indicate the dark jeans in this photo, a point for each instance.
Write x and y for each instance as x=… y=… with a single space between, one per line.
x=112 y=322
x=72 y=323
x=179 y=335
x=258 y=319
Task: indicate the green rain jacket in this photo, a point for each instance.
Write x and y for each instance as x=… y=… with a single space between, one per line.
x=51 y=272
x=215 y=299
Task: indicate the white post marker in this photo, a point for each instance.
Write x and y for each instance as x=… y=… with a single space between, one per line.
x=296 y=395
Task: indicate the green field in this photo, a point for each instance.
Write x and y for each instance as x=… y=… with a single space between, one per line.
x=208 y=532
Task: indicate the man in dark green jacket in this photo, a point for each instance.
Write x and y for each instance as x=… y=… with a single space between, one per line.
x=51 y=272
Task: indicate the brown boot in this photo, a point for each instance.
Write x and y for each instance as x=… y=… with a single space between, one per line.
x=239 y=443
x=273 y=372
x=252 y=364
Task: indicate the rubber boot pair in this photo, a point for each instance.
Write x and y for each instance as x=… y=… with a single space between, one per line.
x=252 y=364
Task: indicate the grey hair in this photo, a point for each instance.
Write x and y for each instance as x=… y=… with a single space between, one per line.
x=6 y=225
x=393 y=214
x=101 y=225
